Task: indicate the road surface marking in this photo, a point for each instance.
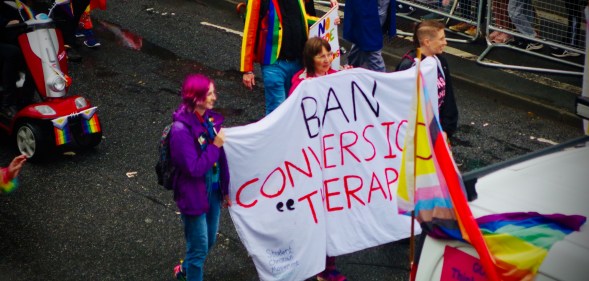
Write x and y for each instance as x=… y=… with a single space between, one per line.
x=222 y=28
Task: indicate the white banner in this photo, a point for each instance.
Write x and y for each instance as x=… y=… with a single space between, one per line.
x=325 y=28
x=318 y=176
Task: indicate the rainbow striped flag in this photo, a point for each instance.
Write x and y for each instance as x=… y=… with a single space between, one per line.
x=61 y=130
x=7 y=186
x=266 y=49
x=510 y=246
x=90 y=123
x=22 y=7
x=520 y=241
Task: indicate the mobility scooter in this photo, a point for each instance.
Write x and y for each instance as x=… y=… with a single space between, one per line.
x=51 y=118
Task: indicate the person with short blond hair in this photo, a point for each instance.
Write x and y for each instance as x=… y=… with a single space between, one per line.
x=430 y=37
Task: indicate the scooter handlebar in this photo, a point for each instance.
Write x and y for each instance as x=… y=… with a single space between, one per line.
x=16 y=25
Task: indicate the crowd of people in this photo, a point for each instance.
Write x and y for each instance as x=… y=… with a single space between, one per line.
x=286 y=57
x=512 y=15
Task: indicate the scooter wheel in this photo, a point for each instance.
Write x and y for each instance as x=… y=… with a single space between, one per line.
x=30 y=141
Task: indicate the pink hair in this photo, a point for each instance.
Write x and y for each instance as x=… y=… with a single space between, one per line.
x=195 y=89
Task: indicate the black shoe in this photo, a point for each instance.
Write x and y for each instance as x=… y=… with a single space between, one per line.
x=73 y=55
x=527 y=45
x=405 y=10
x=433 y=16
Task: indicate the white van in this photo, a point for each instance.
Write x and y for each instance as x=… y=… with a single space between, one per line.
x=555 y=180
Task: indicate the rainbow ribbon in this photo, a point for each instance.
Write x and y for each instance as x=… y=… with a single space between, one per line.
x=61 y=130
x=20 y=6
x=90 y=123
x=7 y=186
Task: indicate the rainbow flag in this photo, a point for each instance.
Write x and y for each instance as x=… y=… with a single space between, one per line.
x=7 y=186
x=90 y=123
x=22 y=7
x=61 y=130
x=266 y=49
x=520 y=241
x=510 y=246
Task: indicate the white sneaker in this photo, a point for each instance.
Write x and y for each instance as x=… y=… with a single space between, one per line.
x=564 y=54
x=532 y=46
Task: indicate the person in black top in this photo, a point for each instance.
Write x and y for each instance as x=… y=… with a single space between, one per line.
x=429 y=36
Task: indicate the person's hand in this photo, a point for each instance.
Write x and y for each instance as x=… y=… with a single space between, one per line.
x=249 y=80
x=219 y=139
x=12 y=22
x=445 y=2
x=226 y=201
x=347 y=66
x=15 y=166
x=337 y=21
x=334 y=3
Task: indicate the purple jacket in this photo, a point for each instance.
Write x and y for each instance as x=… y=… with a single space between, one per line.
x=192 y=163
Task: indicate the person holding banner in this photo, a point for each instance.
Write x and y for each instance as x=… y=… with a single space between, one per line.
x=317 y=57
x=429 y=35
x=201 y=175
x=274 y=36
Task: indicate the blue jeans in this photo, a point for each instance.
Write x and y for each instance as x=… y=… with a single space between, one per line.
x=369 y=60
x=200 y=233
x=277 y=81
x=383 y=10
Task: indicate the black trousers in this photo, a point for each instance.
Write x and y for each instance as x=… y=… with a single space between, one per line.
x=10 y=62
x=68 y=23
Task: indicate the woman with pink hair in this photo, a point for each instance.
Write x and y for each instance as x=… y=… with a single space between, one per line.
x=201 y=175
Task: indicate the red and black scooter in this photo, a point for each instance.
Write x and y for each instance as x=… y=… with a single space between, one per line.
x=55 y=119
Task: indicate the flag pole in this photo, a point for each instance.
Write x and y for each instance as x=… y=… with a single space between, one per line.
x=412 y=264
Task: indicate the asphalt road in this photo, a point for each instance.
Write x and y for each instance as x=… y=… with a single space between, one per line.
x=79 y=216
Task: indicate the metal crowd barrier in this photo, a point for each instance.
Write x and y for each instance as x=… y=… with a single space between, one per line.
x=467 y=11
x=556 y=24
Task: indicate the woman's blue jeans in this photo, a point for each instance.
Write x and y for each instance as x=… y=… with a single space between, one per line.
x=277 y=81
x=200 y=233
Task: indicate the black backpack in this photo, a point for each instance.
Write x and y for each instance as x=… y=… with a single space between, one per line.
x=164 y=168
